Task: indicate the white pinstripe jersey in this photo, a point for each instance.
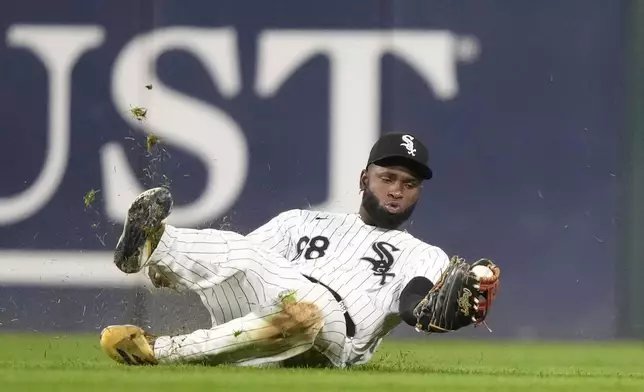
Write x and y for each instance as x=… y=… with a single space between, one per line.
x=366 y=265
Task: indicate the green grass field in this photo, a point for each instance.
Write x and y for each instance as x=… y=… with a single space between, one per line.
x=75 y=363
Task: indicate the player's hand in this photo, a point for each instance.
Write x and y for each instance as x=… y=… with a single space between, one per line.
x=462 y=296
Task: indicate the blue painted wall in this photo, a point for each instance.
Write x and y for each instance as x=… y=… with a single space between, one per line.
x=525 y=139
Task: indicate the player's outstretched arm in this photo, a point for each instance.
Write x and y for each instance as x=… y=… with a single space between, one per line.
x=462 y=296
x=410 y=297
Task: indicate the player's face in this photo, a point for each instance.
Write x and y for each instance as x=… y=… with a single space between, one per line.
x=390 y=194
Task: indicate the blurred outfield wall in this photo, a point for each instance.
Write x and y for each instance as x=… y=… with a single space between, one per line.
x=262 y=107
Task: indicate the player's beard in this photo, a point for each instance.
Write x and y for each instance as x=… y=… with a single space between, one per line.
x=380 y=216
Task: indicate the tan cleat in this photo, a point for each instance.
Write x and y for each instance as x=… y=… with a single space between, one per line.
x=128 y=344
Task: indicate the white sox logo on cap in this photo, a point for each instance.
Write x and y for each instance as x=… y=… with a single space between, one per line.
x=408 y=143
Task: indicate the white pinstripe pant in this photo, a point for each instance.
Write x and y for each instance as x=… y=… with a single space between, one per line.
x=242 y=287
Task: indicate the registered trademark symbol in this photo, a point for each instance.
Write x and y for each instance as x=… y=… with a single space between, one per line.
x=468 y=49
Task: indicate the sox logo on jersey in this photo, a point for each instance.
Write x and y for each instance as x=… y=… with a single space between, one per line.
x=385 y=261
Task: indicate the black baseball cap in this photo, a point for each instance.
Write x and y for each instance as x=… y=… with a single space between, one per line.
x=404 y=149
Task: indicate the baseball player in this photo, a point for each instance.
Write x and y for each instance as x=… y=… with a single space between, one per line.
x=308 y=287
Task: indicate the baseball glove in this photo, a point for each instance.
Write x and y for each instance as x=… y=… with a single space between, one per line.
x=458 y=299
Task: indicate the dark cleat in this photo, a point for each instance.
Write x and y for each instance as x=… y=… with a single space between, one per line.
x=143 y=228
